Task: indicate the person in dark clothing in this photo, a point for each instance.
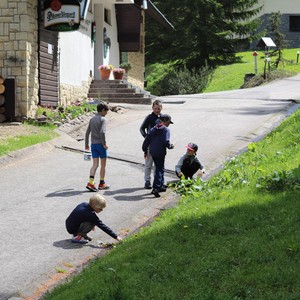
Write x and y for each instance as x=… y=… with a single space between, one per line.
x=148 y=123
x=189 y=164
x=83 y=219
x=157 y=141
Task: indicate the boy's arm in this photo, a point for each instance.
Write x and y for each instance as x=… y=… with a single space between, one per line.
x=107 y=230
x=87 y=134
x=179 y=164
x=201 y=170
x=167 y=139
x=103 y=133
x=144 y=126
x=146 y=143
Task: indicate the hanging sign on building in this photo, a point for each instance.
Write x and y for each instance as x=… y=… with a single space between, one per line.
x=61 y=15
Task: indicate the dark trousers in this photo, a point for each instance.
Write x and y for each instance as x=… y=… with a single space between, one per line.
x=159 y=163
x=84 y=229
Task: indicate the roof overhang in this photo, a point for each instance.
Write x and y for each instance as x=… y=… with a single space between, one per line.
x=153 y=12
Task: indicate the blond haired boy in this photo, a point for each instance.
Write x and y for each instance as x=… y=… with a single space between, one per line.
x=83 y=219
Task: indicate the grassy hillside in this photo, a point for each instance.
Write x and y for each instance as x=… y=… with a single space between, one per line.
x=235 y=236
x=231 y=77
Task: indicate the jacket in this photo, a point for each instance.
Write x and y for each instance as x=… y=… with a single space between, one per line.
x=149 y=122
x=84 y=213
x=157 y=140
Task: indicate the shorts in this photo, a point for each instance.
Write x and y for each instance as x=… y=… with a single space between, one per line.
x=98 y=151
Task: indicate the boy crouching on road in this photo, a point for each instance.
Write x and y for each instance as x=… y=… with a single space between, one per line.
x=83 y=219
x=189 y=164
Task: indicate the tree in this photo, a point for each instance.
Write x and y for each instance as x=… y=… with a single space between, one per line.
x=278 y=37
x=205 y=31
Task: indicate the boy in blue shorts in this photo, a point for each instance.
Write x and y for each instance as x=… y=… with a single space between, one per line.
x=97 y=129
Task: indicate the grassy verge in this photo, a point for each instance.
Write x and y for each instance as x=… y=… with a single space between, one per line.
x=30 y=135
x=231 y=77
x=235 y=236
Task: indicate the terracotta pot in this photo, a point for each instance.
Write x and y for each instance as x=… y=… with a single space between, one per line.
x=118 y=76
x=104 y=74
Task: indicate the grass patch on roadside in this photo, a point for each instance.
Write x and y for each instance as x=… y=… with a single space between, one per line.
x=231 y=237
x=32 y=135
x=231 y=77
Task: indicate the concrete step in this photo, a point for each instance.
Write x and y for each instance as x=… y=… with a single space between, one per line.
x=126 y=100
x=112 y=90
x=112 y=95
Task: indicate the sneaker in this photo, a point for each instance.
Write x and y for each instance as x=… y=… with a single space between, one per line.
x=155 y=193
x=103 y=186
x=91 y=187
x=165 y=186
x=78 y=239
x=147 y=185
x=162 y=189
x=86 y=237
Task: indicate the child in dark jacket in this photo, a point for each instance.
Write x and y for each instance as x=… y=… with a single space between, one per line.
x=158 y=140
x=83 y=219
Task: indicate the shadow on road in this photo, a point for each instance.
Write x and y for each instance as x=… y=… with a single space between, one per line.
x=67 y=193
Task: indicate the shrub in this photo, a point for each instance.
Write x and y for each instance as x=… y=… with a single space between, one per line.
x=169 y=80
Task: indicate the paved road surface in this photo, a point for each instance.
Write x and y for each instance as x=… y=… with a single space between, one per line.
x=41 y=187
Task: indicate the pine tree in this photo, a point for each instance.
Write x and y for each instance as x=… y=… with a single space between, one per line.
x=278 y=37
x=205 y=31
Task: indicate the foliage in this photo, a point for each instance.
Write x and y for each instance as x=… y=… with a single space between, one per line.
x=174 y=81
x=105 y=67
x=126 y=66
x=118 y=71
x=210 y=34
x=278 y=38
x=62 y=114
x=280 y=181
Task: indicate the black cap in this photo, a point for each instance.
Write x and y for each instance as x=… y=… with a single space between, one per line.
x=166 y=118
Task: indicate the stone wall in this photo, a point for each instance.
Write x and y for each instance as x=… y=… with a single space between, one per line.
x=71 y=93
x=19 y=51
x=137 y=61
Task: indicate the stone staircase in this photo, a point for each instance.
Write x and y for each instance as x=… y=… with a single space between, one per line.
x=118 y=91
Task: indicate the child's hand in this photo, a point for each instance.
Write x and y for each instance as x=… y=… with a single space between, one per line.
x=119 y=238
x=201 y=173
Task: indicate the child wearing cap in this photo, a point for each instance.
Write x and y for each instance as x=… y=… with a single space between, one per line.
x=189 y=164
x=149 y=122
x=157 y=141
x=83 y=219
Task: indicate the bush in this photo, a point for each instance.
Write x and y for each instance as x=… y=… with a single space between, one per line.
x=168 y=80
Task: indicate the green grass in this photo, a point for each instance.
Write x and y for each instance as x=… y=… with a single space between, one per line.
x=227 y=238
x=231 y=77
x=34 y=135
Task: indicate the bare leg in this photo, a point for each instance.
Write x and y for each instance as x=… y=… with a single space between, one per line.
x=95 y=166
x=102 y=168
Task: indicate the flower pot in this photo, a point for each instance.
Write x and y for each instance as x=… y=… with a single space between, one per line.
x=104 y=74
x=118 y=76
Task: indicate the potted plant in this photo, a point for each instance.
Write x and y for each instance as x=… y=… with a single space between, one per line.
x=104 y=71
x=126 y=66
x=118 y=73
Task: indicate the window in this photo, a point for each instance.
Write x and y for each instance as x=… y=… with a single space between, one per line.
x=294 y=23
x=107 y=16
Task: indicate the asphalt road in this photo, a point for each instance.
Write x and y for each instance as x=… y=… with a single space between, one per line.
x=39 y=186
